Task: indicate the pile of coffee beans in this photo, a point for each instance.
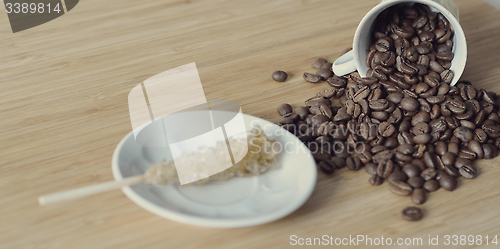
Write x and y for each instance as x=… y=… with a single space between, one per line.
x=411 y=45
x=403 y=123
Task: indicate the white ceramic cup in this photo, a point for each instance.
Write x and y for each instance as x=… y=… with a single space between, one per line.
x=355 y=59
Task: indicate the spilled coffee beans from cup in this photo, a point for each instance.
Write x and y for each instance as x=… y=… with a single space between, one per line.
x=403 y=123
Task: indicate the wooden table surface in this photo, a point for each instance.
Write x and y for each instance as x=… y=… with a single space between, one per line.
x=63 y=110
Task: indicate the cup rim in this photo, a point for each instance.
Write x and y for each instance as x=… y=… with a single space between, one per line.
x=459 y=34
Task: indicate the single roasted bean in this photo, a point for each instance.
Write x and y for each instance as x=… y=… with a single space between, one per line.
x=386 y=129
x=418 y=196
x=326 y=167
x=463 y=133
x=391 y=143
x=409 y=104
x=289 y=118
x=336 y=81
x=353 y=163
x=430 y=160
x=405 y=149
x=405 y=138
x=412 y=214
x=324 y=73
x=448 y=182
x=376 y=180
x=468 y=171
x=421 y=128
x=476 y=147
x=420 y=117
x=313 y=78
x=395 y=97
x=397 y=176
x=371 y=168
x=411 y=170
x=284 y=109
x=431 y=185
x=279 y=76
x=338 y=162
x=318 y=63
x=384 y=169
x=448 y=158
x=422 y=138
x=416 y=182
x=400 y=188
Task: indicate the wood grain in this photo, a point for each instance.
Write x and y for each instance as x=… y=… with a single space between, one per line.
x=63 y=109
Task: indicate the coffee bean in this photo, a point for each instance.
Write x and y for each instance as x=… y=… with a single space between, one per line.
x=386 y=129
x=405 y=138
x=448 y=182
x=371 y=168
x=384 y=169
x=397 y=176
x=289 y=118
x=302 y=111
x=409 y=104
x=379 y=104
x=436 y=67
x=383 y=45
x=420 y=117
x=353 y=163
x=431 y=185
x=336 y=81
x=448 y=158
x=324 y=110
x=468 y=171
x=317 y=100
x=476 y=147
x=418 y=196
x=411 y=170
x=313 y=78
x=492 y=130
x=279 y=76
x=318 y=63
x=327 y=65
x=447 y=76
x=284 y=109
x=405 y=149
x=464 y=134
x=416 y=182
x=395 y=97
x=421 y=128
x=400 y=188
x=430 y=160
x=324 y=73
x=376 y=180
x=326 y=167
x=361 y=93
x=412 y=214
x=422 y=138
x=467 y=154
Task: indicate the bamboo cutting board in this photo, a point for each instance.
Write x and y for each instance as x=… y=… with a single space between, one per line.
x=63 y=109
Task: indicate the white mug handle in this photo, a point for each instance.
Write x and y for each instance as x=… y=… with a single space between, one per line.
x=344 y=64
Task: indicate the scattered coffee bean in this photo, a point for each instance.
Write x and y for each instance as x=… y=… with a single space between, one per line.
x=412 y=214
x=376 y=180
x=313 y=78
x=431 y=185
x=279 y=76
x=418 y=196
x=400 y=188
x=284 y=109
x=448 y=182
x=318 y=63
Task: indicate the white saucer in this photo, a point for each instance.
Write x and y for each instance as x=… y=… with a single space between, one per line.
x=238 y=202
